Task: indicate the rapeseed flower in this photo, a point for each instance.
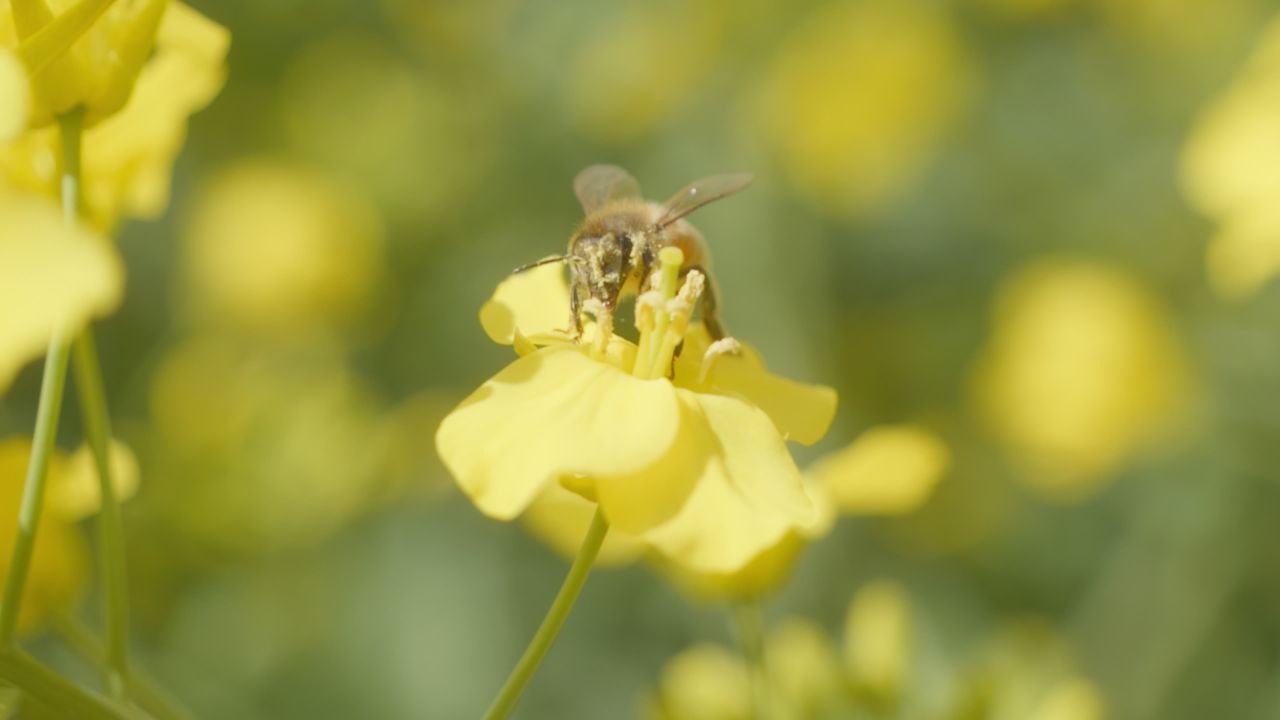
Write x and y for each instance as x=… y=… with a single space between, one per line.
x=138 y=73
x=859 y=98
x=694 y=465
x=1231 y=173
x=1082 y=370
x=879 y=667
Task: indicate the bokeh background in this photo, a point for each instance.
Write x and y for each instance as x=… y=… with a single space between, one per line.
x=1015 y=222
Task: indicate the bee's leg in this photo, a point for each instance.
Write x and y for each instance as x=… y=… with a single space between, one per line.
x=710 y=306
x=575 y=310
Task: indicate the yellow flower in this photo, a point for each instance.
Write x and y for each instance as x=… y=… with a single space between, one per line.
x=59 y=569
x=1083 y=368
x=1022 y=672
x=698 y=471
x=52 y=276
x=127 y=158
x=859 y=98
x=1231 y=172
x=270 y=247
x=97 y=73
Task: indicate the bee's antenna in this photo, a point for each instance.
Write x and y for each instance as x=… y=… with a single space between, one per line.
x=539 y=263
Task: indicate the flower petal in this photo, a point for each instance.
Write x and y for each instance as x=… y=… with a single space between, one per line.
x=878 y=634
x=15 y=95
x=51 y=275
x=76 y=492
x=550 y=414
x=802 y=412
x=534 y=302
x=742 y=490
x=888 y=470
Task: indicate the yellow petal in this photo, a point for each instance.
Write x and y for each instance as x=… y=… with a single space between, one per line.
x=888 y=470
x=801 y=412
x=803 y=666
x=550 y=414
x=764 y=573
x=128 y=158
x=704 y=681
x=15 y=95
x=560 y=518
x=534 y=302
x=877 y=638
x=741 y=490
x=51 y=276
x=76 y=492
x=1245 y=253
x=133 y=40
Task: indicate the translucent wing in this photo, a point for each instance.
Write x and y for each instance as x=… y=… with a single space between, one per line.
x=701 y=192
x=599 y=184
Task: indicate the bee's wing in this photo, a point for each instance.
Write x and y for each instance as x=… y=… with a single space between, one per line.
x=699 y=193
x=599 y=184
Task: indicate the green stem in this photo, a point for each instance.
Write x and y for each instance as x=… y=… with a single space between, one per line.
x=141 y=687
x=749 y=627
x=48 y=409
x=97 y=422
x=51 y=387
x=53 y=691
x=556 y=615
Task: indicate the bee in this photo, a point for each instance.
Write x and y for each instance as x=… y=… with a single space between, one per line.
x=612 y=253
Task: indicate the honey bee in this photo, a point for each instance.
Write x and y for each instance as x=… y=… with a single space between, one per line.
x=612 y=253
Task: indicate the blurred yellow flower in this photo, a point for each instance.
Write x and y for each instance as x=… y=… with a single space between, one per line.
x=1023 y=672
x=1231 y=172
x=1027 y=671
x=15 y=95
x=264 y=448
x=704 y=682
x=635 y=73
x=98 y=71
x=1082 y=369
x=858 y=99
x=878 y=637
x=128 y=156
x=888 y=470
x=77 y=493
x=699 y=474
x=59 y=568
x=270 y=247
x=52 y=276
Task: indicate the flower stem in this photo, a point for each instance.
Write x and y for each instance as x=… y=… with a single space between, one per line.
x=749 y=627
x=97 y=423
x=556 y=614
x=51 y=388
x=142 y=688
x=54 y=692
x=49 y=407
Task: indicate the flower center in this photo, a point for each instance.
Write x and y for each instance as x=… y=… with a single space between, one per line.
x=663 y=313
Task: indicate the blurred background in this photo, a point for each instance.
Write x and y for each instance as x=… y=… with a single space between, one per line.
x=1029 y=225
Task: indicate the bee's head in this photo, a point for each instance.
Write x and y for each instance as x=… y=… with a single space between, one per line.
x=601 y=265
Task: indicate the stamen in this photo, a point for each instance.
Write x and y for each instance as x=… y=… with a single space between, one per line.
x=604 y=324
x=679 y=311
x=718 y=349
